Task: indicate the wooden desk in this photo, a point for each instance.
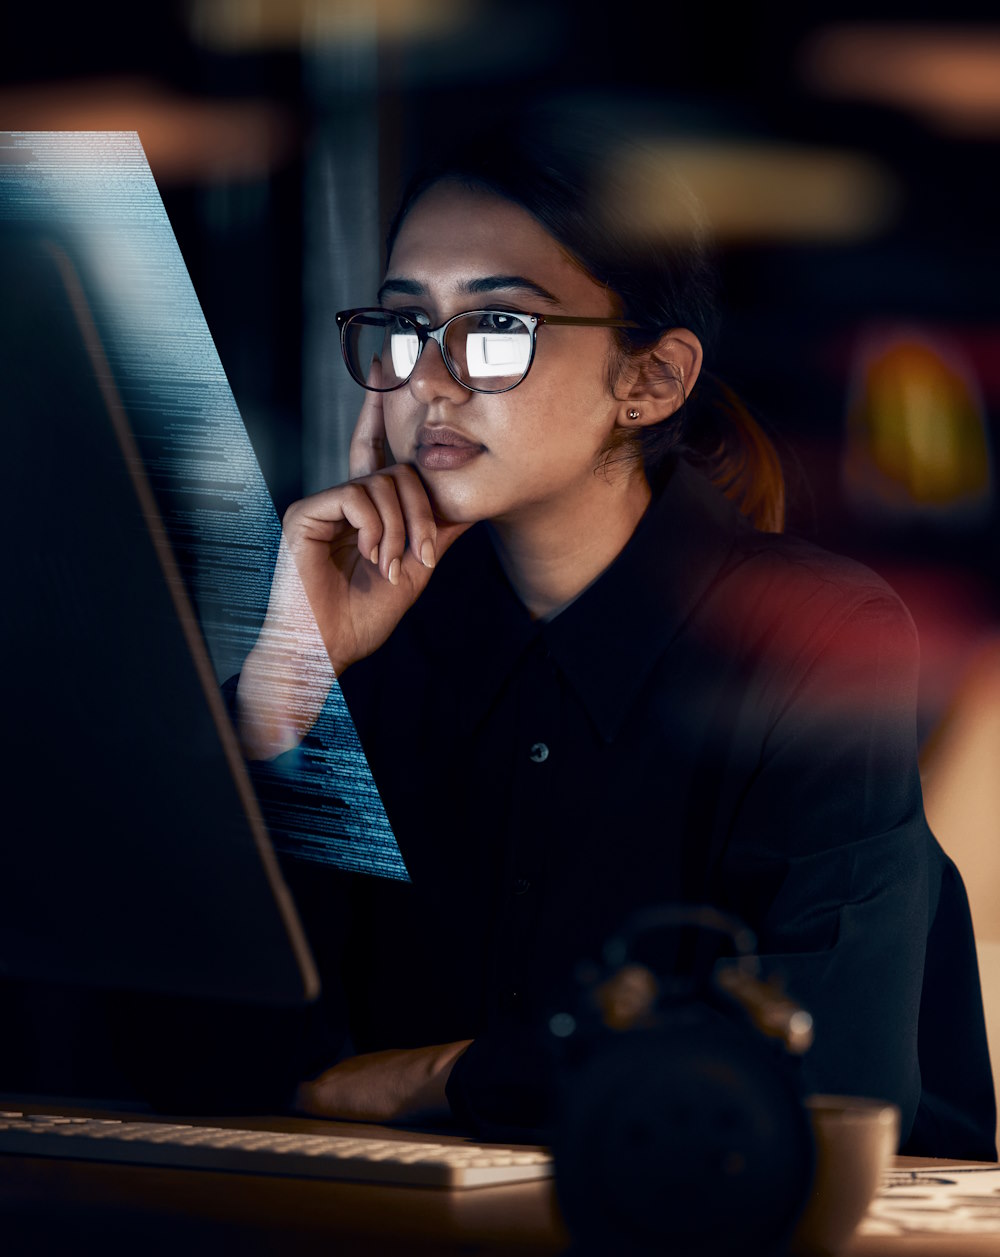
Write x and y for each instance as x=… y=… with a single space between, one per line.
x=62 y=1206
x=49 y=1206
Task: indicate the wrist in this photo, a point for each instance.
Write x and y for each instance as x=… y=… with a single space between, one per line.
x=278 y=700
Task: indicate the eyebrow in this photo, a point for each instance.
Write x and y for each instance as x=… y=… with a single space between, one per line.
x=474 y=287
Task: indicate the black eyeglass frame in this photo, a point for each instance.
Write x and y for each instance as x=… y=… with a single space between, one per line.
x=437 y=334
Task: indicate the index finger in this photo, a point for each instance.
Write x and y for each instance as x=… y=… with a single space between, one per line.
x=367 y=452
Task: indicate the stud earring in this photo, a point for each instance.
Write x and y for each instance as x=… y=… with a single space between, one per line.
x=633 y=414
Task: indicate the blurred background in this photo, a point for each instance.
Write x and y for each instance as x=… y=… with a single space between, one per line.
x=847 y=158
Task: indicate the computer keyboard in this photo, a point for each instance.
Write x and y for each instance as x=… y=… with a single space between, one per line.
x=333 y=1156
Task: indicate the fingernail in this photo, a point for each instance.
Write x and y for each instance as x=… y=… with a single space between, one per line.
x=374 y=555
x=427 y=553
x=394 y=572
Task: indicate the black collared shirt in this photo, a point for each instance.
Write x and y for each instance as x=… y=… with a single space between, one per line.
x=724 y=716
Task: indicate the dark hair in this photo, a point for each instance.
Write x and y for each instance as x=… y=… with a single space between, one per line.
x=593 y=192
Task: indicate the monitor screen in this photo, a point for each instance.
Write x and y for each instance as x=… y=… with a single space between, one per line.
x=140 y=542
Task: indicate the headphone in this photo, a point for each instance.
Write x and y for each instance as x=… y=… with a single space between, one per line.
x=679 y=1125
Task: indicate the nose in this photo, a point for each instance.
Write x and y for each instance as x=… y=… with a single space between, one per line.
x=430 y=380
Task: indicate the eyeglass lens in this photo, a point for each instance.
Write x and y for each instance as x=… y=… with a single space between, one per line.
x=486 y=350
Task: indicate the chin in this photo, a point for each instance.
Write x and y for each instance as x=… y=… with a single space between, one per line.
x=456 y=507
x=457 y=512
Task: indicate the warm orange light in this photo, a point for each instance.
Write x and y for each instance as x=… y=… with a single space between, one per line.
x=238 y=26
x=184 y=138
x=948 y=74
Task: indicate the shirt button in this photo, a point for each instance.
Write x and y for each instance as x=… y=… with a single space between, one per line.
x=539 y=753
x=521 y=886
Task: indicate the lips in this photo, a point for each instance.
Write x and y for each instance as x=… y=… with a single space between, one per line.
x=445 y=449
x=428 y=435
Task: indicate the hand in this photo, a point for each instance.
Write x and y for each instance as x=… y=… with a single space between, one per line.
x=365 y=550
x=395 y=1085
x=367 y=453
x=353 y=560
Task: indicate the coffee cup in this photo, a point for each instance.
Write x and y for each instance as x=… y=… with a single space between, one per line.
x=856 y=1138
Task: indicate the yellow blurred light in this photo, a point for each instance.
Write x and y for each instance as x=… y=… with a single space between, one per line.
x=916 y=431
x=753 y=191
x=949 y=74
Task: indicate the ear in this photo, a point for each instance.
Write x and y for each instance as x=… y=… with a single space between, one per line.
x=660 y=379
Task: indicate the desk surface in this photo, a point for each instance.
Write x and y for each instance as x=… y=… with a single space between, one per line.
x=59 y=1206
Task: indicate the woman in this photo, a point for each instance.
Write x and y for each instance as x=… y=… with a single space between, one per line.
x=586 y=683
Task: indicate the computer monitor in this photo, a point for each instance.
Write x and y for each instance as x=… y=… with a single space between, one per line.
x=135 y=855
x=136 y=872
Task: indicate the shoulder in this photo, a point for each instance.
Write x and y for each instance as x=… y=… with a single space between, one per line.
x=809 y=571
x=782 y=572
x=781 y=596
x=763 y=574
x=822 y=635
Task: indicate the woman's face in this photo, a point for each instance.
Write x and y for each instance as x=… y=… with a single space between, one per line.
x=502 y=456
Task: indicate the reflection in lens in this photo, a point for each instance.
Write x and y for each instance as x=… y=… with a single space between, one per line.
x=404 y=350
x=385 y=337
x=487 y=359
x=493 y=354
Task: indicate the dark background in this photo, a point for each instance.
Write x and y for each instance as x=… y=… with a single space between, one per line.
x=249 y=122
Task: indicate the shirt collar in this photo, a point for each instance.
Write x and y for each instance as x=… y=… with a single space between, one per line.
x=607 y=640
x=471 y=623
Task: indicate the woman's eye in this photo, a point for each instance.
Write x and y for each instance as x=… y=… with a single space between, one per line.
x=406 y=318
x=497 y=321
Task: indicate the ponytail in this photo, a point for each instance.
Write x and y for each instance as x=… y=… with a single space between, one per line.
x=730 y=447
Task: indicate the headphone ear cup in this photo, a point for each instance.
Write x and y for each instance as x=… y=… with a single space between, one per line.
x=688 y=1138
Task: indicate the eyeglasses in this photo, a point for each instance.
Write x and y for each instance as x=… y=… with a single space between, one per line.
x=487 y=351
